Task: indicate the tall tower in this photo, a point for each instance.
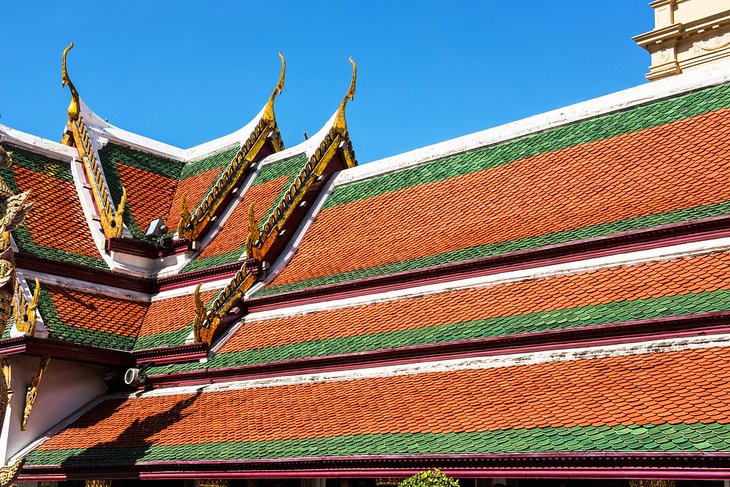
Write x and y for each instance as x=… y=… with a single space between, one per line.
x=687 y=34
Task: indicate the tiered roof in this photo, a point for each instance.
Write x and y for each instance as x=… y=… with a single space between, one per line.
x=549 y=297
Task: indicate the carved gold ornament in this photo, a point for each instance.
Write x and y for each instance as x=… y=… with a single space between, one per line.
x=31 y=393
x=340 y=123
x=6 y=392
x=98 y=483
x=6 y=158
x=74 y=109
x=652 y=483
x=10 y=473
x=25 y=311
x=200 y=314
x=207 y=320
x=253 y=235
x=7 y=287
x=336 y=139
x=269 y=110
x=184 y=221
x=212 y=483
x=192 y=227
x=109 y=216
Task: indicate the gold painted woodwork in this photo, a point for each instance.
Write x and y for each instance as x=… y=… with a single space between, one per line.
x=212 y=483
x=266 y=129
x=111 y=218
x=252 y=252
x=25 y=311
x=184 y=220
x=206 y=320
x=6 y=392
x=652 y=483
x=340 y=124
x=269 y=116
x=337 y=138
x=200 y=314
x=98 y=483
x=6 y=158
x=74 y=109
x=10 y=473
x=31 y=392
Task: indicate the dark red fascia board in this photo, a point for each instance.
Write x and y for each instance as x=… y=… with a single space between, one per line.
x=199 y=276
x=169 y=355
x=147 y=250
x=101 y=356
x=65 y=350
x=98 y=276
x=674 y=234
x=595 y=465
x=588 y=336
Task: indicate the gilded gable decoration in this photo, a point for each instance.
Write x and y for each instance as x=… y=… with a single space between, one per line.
x=110 y=217
x=193 y=224
x=25 y=311
x=31 y=393
x=6 y=392
x=207 y=322
x=336 y=139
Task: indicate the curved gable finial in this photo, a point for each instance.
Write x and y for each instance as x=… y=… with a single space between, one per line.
x=74 y=108
x=269 y=111
x=340 y=124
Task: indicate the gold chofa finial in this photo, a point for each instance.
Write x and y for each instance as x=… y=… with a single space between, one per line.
x=340 y=125
x=269 y=111
x=74 y=109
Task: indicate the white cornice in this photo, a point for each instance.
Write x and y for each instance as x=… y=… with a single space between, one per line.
x=639 y=95
x=452 y=365
x=39 y=145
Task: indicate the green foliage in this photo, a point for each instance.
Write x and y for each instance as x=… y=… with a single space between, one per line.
x=430 y=478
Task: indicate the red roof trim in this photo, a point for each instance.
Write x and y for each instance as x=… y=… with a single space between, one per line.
x=169 y=355
x=607 y=465
x=202 y=275
x=96 y=355
x=83 y=273
x=598 y=335
x=139 y=248
x=673 y=234
x=65 y=350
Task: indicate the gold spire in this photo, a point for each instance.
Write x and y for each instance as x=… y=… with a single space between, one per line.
x=269 y=110
x=340 y=124
x=74 y=109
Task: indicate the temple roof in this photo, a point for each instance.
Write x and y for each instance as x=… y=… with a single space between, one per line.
x=556 y=286
x=581 y=180
x=655 y=398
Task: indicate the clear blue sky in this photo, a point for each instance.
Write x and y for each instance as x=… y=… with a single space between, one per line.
x=184 y=72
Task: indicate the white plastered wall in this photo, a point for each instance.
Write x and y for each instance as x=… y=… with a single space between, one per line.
x=65 y=387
